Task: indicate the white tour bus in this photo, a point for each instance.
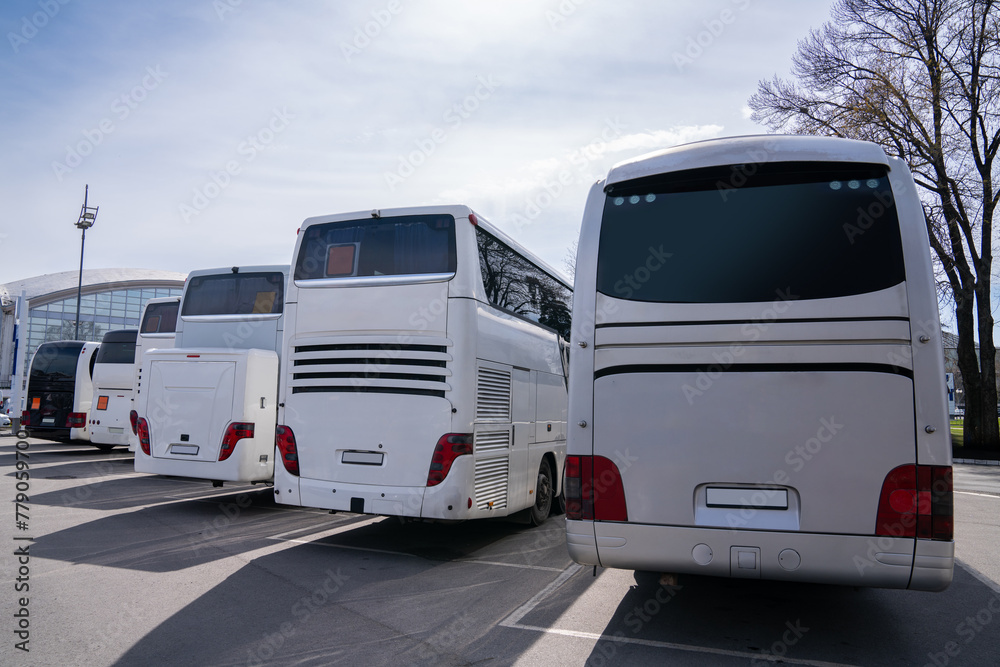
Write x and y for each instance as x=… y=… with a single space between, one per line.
x=60 y=390
x=156 y=332
x=206 y=408
x=423 y=373
x=113 y=373
x=756 y=386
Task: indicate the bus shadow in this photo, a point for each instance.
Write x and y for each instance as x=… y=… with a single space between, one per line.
x=768 y=621
x=172 y=536
x=365 y=597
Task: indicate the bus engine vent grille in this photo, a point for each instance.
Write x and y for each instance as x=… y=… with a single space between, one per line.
x=493 y=395
x=492 y=442
x=491 y=483
x=372 y=364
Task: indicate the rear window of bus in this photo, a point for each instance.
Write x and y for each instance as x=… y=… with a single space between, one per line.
x=256 y=293
x=403 y=245
x=751 y=233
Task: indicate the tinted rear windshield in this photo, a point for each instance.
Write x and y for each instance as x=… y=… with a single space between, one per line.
x=56 y=361
x=117 y=347
x=748 y=233
x=404 y=245
x=160 y=318
x=235 y=294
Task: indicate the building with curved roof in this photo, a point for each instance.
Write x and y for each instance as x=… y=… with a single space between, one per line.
x=110 y=299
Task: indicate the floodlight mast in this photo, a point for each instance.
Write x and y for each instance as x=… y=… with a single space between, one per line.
x=88 y=216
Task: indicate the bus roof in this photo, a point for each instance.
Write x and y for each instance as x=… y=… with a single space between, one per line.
x=750 y=149
x=120 y=336
x=455 y=210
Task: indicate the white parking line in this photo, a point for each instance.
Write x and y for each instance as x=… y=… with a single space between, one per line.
x=514 y=621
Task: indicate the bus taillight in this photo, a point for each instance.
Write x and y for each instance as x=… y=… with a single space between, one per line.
x=235 y=432
x=26 y=418
x=142 y=430
x=284 y=440
x=76 y=420
x=133 y=419
x=594 y=490
x=916 y=501
x=449 y=447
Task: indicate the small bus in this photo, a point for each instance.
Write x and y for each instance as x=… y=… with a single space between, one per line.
x=207 y=407
x=113 y=373
x=423 y=369
x=60 y=391
x=156 y=332
x=756 y=385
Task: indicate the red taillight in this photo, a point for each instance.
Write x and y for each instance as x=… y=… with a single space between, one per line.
x=449 y=447
x=594 y=490
x=284 y=440
x=25 y=417
x=916 y=501
x=142 y=430
x=234 y=433
x=133 y=418
x=76 y=420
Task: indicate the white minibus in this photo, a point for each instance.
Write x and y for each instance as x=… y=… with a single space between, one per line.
x=60 y=390
x=112 y=378
x=423 y=373
x=206 y=408
x=757 y=369
x=156 y=332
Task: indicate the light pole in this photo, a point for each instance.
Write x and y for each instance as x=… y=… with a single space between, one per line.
x=88 y=216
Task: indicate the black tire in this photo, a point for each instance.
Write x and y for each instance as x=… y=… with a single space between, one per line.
x=544 y=489
x=105 y=448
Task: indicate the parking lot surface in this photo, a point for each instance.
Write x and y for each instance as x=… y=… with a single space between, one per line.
x=105 y=566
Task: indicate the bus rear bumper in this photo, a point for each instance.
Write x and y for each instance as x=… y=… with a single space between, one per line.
x=234 y=469
x=853 y=560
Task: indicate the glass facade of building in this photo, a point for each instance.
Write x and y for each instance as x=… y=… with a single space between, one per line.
x=100 y=313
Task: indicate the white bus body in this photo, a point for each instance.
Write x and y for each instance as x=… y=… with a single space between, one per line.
x=156 y=332
x=207 y=407
x=113 y=375
x=757 y=370
x=60 y=391
x=410 y=385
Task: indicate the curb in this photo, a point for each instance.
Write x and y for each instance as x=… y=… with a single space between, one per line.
x=978 y=462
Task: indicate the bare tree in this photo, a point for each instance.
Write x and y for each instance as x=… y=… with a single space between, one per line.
x=920 y=78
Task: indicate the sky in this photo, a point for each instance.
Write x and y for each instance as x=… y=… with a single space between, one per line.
x=208 y=130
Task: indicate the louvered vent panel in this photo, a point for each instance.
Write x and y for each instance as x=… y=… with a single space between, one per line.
x=493 y=395
x=492 y=442
x=491 y=482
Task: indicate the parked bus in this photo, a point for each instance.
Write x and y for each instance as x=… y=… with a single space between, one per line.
x=156 y=332
x=206 y=408
x=756 y=389
x=422 y=369
x=112 y=377
x=60 y=390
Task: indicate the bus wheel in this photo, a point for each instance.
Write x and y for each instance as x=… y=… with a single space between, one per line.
x=105 y=448
x=543 y=494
